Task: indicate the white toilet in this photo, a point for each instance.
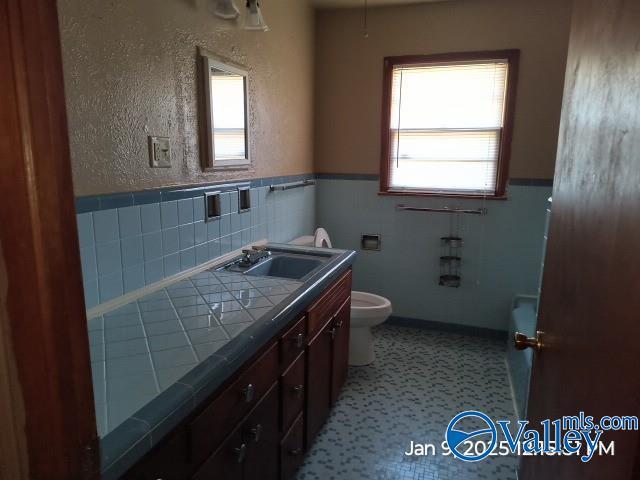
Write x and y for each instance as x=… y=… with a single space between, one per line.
x=367 y=310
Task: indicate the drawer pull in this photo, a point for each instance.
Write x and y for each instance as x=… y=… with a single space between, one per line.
x=332 y=332
x=297 y=390
x=295 y=451
x=255 y=432
x=248 y=393
x=339 y=324
x=241 y=452
x=298 y=340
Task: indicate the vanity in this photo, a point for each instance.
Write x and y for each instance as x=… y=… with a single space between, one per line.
x=252 y=408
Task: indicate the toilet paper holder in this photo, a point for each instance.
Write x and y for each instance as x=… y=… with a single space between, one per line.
x=371 y=241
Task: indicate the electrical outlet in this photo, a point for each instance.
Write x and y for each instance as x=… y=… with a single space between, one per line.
x=160 y=152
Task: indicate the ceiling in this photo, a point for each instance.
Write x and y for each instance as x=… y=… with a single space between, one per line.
x=360 y=3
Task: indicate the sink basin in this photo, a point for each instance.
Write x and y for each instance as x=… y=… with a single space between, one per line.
x=285 y=266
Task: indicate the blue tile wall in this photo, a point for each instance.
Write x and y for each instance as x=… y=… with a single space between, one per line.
x=500 y=258
x=131 y=240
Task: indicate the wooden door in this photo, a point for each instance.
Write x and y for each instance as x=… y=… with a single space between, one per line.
x=261 y=435
x=47 y=415
x=340 y=364
x=318 y=396
x=590 y=300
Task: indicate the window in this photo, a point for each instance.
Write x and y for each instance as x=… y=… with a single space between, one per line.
x=447 y=123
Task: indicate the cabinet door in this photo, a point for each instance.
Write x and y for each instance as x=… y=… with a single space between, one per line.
x=168 y=461
x=340 y=365
x=292 y=383
x=291 y=450
x=261 y=435
x=319 y=353
x=227 y=461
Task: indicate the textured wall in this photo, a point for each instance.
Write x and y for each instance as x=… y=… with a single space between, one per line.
x=130 y=71
x=349 y=72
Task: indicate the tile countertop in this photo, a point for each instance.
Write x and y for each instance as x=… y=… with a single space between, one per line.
x=157 y=358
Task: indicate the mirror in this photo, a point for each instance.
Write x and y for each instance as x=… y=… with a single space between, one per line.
x=225 y=119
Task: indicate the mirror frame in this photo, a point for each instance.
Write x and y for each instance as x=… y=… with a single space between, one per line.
x=209 y=163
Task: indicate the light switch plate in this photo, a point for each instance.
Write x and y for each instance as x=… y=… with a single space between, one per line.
x=160 y=152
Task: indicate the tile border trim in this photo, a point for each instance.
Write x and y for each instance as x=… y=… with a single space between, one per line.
x=447 y=327
x=94 y=203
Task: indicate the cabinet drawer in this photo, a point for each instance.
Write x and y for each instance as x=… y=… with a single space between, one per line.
x=251 y=450
x=291 y=450
x=328 y=304
x=260 y=431
x=221 y=416
x=292 y=392
x=293 y=342
x=227 y=461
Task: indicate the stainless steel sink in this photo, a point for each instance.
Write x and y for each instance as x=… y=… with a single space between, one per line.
x=296 y=267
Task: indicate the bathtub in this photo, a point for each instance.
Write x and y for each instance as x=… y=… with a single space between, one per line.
x=523 y=320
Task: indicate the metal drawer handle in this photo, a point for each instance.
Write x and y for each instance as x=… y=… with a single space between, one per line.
x=297 y=390
x=339 y=324
x=295 y=451
x=332 y=332
x=256 y=431
x=298 y=340
x=241 y=452
x=248 y=393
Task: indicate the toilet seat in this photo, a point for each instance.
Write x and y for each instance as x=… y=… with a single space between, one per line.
x=369 y=306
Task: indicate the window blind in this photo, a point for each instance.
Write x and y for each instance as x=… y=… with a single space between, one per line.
x=227 y=103
x=446 y=123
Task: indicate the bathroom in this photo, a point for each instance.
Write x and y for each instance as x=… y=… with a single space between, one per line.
x=305 y=239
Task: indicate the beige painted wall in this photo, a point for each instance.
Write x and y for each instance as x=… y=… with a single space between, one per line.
x=349 y=72
x=130 y=71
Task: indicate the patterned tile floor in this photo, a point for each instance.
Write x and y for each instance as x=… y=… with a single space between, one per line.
x=419 y=381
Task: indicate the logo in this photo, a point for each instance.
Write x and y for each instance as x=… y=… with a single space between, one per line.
x=459 y=438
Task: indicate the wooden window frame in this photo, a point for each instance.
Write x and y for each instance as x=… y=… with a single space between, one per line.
x=504 y=155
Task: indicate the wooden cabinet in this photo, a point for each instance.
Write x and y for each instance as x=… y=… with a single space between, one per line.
x=251 y=451
x=293 y=388
x=227 y=461
x=292 y=449
x=210 y=427
x=262 y=420
x=319 y=354
x=261 y=433
x=340 y=358
x=327 y=355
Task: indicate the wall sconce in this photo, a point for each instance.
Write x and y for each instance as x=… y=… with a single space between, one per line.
x=254 y=20
x=225 y=9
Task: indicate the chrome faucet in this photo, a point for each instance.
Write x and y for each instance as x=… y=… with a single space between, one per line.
x=253 y=256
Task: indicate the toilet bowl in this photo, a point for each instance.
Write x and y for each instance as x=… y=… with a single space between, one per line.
x=367 y=310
